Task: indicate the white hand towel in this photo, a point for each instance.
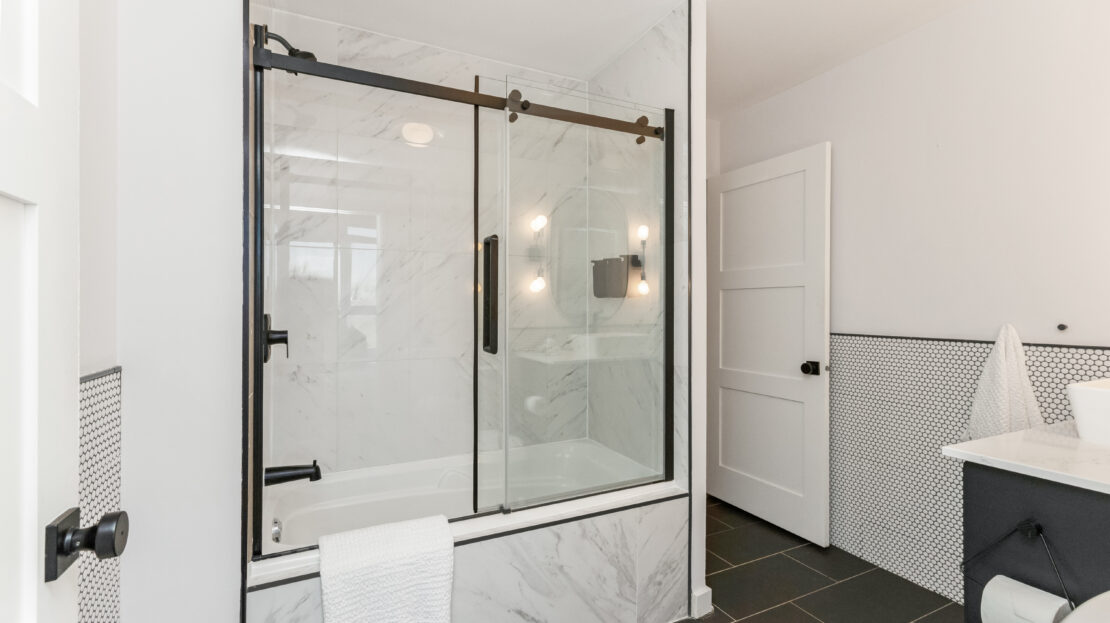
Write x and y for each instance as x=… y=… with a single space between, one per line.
x=392 y=573
x=1004 y=400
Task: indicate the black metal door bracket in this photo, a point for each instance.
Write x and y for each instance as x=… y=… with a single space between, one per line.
x=65 y=539
x=272 y=337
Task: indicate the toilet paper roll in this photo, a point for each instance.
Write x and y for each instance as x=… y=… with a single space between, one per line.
x=1006 y=600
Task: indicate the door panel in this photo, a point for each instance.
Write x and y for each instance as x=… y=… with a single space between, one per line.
x=39 y=181
x=756 y=438
x=764 y=224
x=770 y=339
x=768 y=287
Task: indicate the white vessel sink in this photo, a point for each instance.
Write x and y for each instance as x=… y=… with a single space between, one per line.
x=1090 y=406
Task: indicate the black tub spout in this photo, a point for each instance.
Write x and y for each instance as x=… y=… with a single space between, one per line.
x=289 y=473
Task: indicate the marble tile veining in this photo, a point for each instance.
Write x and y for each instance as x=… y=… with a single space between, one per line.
x=297 y=602
x=626 y=566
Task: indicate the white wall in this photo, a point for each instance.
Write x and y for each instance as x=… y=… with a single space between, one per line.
x=180 y=295
x=701 y=596
x=969 y=173
x=99 y=159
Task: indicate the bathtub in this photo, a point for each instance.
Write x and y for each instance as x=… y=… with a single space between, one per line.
x=297 y=514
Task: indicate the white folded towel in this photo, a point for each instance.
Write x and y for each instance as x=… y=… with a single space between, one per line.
x=1004 y=400
x=392 y=573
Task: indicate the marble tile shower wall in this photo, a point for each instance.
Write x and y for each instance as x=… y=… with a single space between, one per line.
x=370 y=251
x=652 y=72
x=623 y=567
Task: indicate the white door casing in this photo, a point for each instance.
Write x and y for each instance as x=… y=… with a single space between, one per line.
x=39 y=274
x=768 y=278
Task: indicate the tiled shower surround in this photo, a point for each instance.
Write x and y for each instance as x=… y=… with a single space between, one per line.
x=896 y=502
x=370 y=248
x=371 y=240
x=623 y=567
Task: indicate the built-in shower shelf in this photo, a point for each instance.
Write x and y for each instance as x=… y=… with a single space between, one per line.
x=569 y=358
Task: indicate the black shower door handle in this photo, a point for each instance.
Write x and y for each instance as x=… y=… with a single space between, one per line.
x=489 y=294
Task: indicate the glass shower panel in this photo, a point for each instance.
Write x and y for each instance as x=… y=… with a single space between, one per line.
x=301 y=273
x=370 y=268
x=584 y=274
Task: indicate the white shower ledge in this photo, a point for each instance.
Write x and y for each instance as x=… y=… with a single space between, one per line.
x=307 y=563
x=1054 y=453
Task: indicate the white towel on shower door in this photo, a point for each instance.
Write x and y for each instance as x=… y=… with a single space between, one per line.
x=392 y=573
x=1004 y=399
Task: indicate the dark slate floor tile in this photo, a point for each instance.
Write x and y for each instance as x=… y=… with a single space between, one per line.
x=877 y=596
x=832 y=561
x=730 y=515
x=747 y=543
x=714 y=563
x=786 y=613
x=713 y=526
x=717 y=616
x=751 y=588
x=952 y=613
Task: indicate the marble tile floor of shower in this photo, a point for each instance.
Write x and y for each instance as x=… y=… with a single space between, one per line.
x=762 y=574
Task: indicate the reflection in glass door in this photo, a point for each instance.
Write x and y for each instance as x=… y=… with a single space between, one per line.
x=584 y=356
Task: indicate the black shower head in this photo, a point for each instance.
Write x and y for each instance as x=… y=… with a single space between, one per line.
x=294 y=52
x=305 y=54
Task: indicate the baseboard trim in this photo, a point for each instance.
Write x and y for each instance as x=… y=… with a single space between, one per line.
x=701 y=602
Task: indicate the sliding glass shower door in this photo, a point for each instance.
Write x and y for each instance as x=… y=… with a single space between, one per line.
x=460 y=302
x=580 y=318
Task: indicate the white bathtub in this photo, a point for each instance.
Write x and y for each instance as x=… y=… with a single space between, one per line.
x=354 y=499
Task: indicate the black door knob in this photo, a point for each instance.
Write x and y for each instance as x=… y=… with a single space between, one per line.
x=811 y=367
x=65 y=539
x=107 y=539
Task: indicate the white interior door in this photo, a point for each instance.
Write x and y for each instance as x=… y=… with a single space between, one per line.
x=768 y=274
x=39 y=279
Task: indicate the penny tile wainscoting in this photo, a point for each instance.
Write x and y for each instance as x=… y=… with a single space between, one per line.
x=896 y=502
x=99 y=489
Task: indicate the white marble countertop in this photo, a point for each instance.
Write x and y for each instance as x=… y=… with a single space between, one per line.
x=1053 y=453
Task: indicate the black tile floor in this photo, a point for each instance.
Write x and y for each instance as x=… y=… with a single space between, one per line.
x=762 y=574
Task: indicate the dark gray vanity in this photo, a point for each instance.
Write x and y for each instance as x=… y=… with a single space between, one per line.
x=1020 y=487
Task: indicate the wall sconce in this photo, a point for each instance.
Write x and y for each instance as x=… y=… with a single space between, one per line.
x=643 y=287
x=538 y=283
x=535 y=253
x=538 y=224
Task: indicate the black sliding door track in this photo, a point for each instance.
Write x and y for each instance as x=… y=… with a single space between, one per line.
x=265 y=59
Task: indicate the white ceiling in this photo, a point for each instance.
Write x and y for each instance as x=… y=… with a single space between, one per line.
x=568 y=37
x=758 y=48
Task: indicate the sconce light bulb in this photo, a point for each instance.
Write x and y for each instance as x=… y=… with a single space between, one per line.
x=537 y=284
x=643 y=287
x=642 y=232
x=539 y=223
